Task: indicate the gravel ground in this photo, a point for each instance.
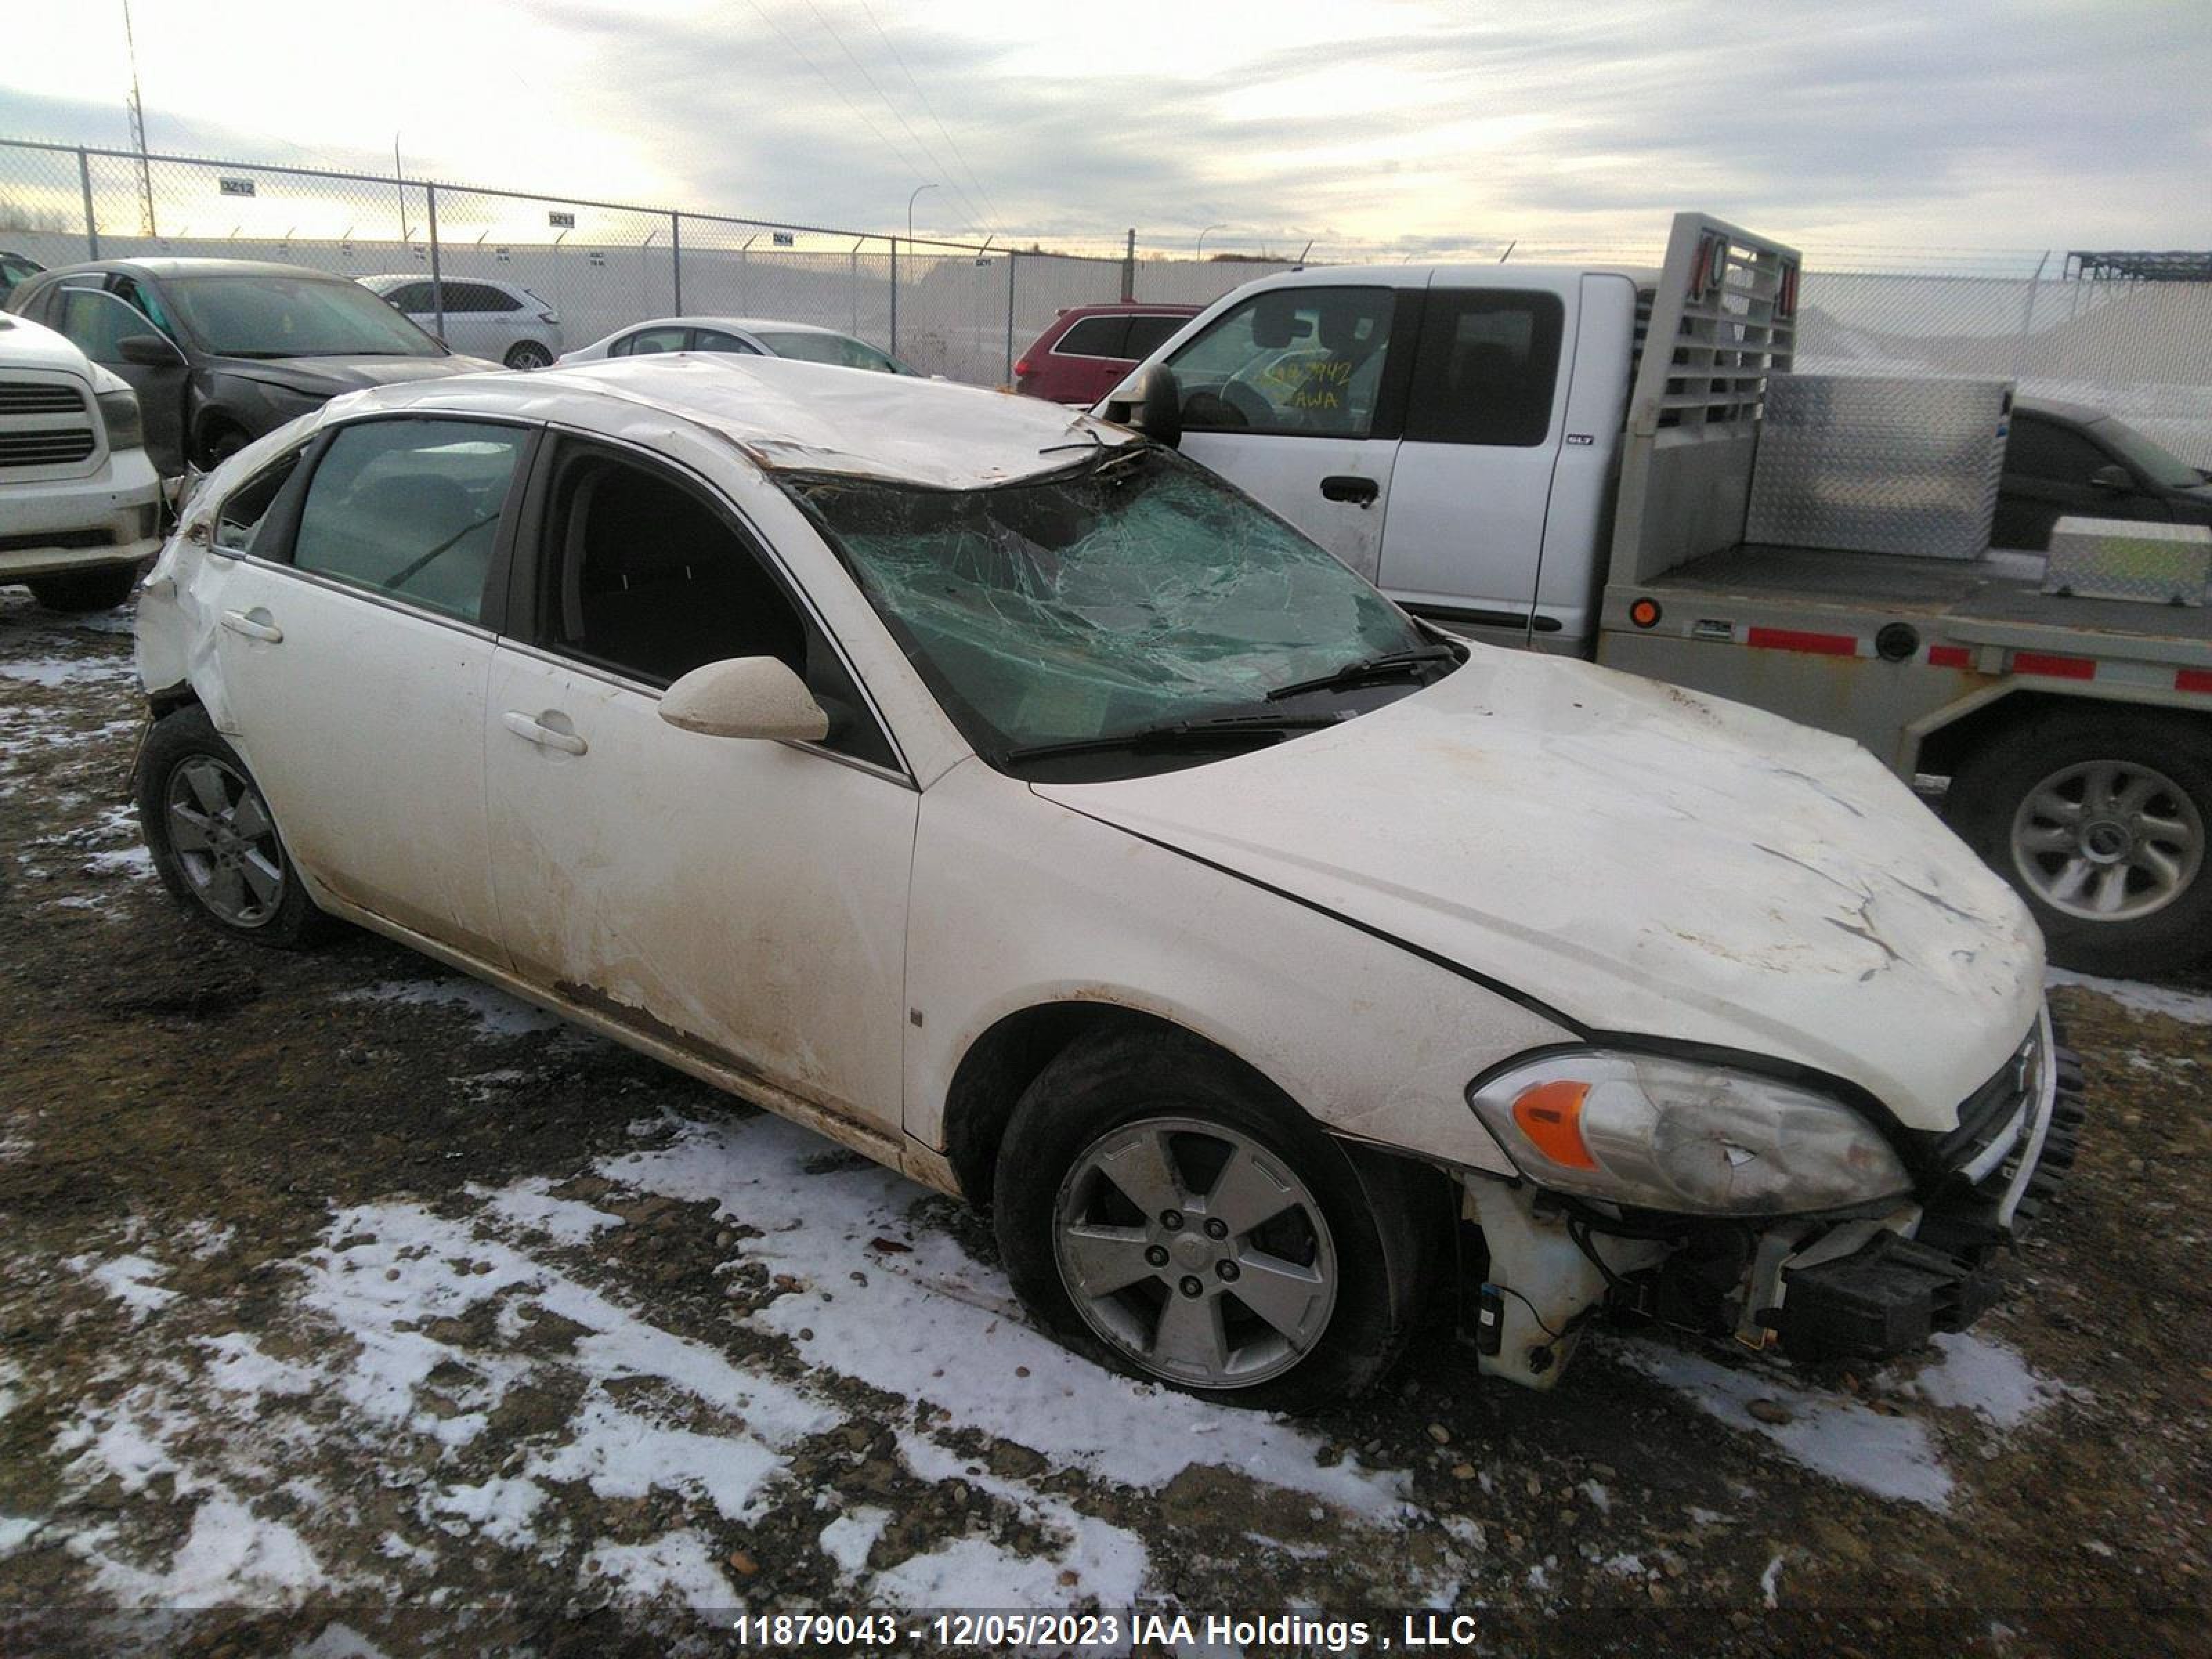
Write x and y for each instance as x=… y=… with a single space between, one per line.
x=350 y=1309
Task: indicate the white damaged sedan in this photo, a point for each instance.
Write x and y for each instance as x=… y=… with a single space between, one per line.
x=1015 y=801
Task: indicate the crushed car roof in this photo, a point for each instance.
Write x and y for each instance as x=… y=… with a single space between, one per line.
x=792 y=416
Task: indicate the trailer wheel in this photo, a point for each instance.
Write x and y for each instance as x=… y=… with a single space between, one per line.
x=2100 y=818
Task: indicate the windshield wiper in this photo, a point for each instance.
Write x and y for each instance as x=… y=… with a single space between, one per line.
x=1387 y=666
x=1179 y=733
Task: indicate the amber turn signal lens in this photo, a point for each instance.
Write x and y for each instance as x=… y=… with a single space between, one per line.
x=1551 y=1116
x=1644 y=613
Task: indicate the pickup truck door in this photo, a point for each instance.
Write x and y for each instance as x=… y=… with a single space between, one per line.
x=1473 y=482
x=2052 y=469
x=1293 y=395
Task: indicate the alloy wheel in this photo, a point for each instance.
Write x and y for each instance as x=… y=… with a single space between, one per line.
x=225 y=841
x=1195 y=1252
x=2108 y=840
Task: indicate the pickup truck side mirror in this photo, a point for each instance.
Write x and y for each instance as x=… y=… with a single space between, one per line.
x=745 y=698
x=148 y=351
x=2114 y=478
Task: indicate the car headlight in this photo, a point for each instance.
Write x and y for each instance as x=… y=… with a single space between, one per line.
x=119 y=414
x=1677 y=1135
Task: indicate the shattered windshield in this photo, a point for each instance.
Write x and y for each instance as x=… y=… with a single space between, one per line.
x=1128 y=593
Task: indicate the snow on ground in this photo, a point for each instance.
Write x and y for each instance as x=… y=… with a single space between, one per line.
x=414 y=1338
x=52 y=671
x=1893 y=1457
x=936 y=1324
x=499 y=1014
x=2193 y=1006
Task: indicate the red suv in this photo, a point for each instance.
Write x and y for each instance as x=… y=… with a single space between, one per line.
x=1088 y=348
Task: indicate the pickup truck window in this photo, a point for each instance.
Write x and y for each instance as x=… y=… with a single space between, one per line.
x=1305 y=361
x=1486 y=368
x=2045 y=450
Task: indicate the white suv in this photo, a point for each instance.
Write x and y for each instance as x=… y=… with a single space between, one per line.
x=503 y=321
x=80 y=502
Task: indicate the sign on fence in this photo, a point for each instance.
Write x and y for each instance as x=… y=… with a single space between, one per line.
x=562 y=221
x=780 y=239
x=236 y=186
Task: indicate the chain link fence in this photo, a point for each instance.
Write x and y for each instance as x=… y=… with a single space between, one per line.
x=2140 y=350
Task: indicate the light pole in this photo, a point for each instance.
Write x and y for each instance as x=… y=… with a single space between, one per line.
x=917 y=191
x=1200 y=254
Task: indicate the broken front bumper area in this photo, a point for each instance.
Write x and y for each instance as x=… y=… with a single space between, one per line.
x=1893 y=1292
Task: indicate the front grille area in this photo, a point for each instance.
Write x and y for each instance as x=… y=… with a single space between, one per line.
x=1984 y=1113
x=56 y=446
x=36 y=398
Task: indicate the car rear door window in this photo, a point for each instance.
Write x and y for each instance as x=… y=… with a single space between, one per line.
x=239 y=521
x=648 y=341
x=713 y=339
x=2051 y=453
x=1148 y=334
x=1094 y=337
x=1486 y=368
x=411 y=509
x=1304 y=362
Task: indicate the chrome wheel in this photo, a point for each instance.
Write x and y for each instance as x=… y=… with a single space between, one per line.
x=2108 y=840
x=224 y=841
x=1195 y=1252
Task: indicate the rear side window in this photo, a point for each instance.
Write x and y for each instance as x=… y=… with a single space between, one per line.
x=713 y=339
x=2044 y=450
x=1094 y=337
x=1307 y=361
x=647 y=341
x=1148 y=334
x=1486 y=368
x=411 y=508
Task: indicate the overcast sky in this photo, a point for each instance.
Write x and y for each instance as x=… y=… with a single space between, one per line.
x=1930 y=124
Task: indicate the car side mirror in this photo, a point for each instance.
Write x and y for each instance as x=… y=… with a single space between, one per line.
x=147 y=351
x=745 y=698
x=2114 y=478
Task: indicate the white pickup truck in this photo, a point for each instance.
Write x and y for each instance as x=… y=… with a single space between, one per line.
x=80 y=502
x=1495 y=446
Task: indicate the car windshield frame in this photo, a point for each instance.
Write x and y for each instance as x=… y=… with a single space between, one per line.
x=1094 y=610
x=216 y=328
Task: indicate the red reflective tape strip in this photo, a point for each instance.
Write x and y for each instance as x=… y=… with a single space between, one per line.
x=2056 y=668
x=1792 y=639
x=2193 y=679
x=1948 y=656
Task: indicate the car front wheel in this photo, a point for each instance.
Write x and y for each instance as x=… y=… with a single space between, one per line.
x=214 y=842
x=1158 y=1210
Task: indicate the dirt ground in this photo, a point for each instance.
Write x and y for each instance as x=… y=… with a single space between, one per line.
x=348 y=1308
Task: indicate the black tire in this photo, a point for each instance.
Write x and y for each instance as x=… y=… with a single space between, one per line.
x=178 y=740
x=1989 y=789
x=80 y=591
x=527 y=356
x=1373 y=1208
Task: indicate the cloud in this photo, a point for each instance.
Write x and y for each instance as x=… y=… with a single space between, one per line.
x=1979 y=123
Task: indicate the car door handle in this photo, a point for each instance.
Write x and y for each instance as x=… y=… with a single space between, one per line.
x=533 y=730
x=1344 y=488
x=255 y=624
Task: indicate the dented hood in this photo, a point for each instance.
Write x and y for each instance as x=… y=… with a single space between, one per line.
x=1642 y=859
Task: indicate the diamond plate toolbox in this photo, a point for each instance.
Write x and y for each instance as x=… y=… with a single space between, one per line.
x=2128 y=559
x=1879 y=464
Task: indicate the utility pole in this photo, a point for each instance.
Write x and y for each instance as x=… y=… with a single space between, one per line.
x=138 y=132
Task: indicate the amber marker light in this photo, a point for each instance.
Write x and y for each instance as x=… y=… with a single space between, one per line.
x=1551 y=1116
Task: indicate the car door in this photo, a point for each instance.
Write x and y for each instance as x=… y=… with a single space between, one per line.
x=1295 y=395
x=2052 y=470
x=354 y=655
x=1473 y=478
x=744 y=901
x=97 y=322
